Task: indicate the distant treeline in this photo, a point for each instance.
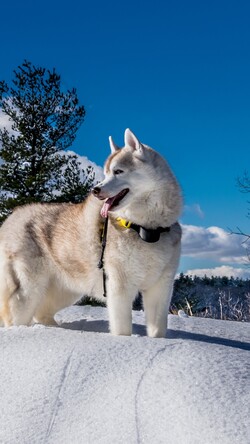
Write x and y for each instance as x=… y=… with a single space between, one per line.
x=219 y=281
x=217 y=297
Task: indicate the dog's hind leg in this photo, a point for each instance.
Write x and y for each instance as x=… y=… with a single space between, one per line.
x=56 y=298
x=156 y=302
x=8 y=288
x=21 y=308
x=5 y=315
x=19 y=296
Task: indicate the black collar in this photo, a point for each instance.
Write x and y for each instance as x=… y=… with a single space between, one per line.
x=149 y=235
x=146 y=234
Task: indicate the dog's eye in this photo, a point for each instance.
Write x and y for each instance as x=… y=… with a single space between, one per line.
x=116 y=172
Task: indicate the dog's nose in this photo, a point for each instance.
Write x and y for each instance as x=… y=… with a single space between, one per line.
x=96 y=191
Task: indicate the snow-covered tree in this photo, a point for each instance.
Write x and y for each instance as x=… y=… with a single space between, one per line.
x=44 y=121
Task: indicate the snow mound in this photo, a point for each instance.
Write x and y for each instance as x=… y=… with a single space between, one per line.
x=78 y=384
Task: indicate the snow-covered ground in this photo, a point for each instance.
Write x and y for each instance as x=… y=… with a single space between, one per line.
x=80 y=385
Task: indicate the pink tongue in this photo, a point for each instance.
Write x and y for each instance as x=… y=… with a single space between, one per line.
x=106 y=206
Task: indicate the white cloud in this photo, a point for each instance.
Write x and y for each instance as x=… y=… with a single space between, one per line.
x=224 y=270
x=213 y=243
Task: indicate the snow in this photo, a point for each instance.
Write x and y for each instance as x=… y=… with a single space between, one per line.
x=78 y=384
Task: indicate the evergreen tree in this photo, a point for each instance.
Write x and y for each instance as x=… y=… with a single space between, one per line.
x=44 y=122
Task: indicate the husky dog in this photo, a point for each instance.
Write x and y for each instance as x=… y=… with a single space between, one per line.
x=49 y=252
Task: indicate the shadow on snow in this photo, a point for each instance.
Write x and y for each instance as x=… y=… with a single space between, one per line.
x=102 y=326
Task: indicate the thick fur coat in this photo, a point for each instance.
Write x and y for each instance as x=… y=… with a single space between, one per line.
x=49 y=252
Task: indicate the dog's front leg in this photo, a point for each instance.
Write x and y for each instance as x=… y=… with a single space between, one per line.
x=120 y=296
x=156 y=301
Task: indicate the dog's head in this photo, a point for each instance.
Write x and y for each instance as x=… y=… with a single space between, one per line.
x=132 y=174
x=122 y=171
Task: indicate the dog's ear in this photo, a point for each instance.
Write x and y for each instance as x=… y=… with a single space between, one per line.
x=131 y=140
x=113 y=146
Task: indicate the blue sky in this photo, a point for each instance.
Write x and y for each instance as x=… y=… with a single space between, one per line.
x=177 y=73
